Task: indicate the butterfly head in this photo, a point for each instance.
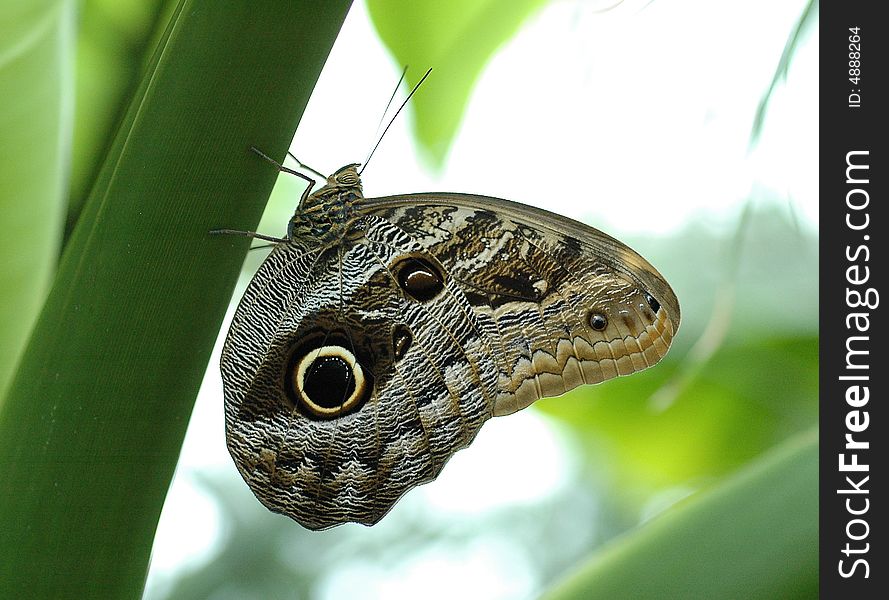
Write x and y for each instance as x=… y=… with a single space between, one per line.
x=344 y=185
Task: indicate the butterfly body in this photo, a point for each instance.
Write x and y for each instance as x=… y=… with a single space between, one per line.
x=379 y=336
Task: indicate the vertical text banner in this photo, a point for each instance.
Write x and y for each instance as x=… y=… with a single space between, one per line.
x=854 y=373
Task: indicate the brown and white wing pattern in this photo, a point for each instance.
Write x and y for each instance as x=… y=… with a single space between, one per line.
x=354 y=370
x=567 y=304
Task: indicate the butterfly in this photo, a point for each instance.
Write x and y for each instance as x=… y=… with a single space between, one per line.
x=381 y=333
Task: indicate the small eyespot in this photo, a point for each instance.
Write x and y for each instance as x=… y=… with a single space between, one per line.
x=401 y=341
x=598 y=321
x=419 y=278
x=653 y=304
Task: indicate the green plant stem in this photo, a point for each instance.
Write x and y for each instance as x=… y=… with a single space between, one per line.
x=92 y=426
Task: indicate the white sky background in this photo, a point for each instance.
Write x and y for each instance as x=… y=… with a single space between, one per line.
x=635 y=121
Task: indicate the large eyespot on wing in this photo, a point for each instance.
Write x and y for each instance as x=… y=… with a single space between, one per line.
x=569 y=304
x=346 y=378
x=323 y=377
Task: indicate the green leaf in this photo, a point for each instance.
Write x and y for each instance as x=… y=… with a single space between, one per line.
x=35 y=125
x=92 y=426
x=113 y=40
x=748 y=396
x=753 y=536
x=456 y=39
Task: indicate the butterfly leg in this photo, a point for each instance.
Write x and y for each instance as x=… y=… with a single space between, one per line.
x=290 y=171
x=250 y=234
x=303 y=165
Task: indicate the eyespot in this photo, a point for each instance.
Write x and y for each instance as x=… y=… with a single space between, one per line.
x=597 y=321
x=401 y=341
x=419 y=278
x=326 y=381
x=653 y=304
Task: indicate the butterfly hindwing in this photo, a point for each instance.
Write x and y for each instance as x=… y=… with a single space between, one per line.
x=432 y=380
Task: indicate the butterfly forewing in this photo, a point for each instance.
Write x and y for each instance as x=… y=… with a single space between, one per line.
x=568 y=304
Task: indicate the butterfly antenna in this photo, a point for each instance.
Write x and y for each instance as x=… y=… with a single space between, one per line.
x=389 y=103
x=392 y=120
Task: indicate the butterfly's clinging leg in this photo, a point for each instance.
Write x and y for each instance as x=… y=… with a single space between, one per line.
x=250 y=234
x=284 y=169
x=303 y=165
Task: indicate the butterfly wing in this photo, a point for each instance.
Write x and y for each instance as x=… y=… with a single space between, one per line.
x=324 y=448
x=354 y=370
x=567 y=304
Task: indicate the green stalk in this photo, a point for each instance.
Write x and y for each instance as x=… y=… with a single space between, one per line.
x=753 y=536
x=91 y=429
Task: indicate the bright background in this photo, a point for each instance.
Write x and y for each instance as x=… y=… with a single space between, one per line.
x=640 y=121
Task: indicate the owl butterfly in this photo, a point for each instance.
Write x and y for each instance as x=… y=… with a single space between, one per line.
x=381 y=333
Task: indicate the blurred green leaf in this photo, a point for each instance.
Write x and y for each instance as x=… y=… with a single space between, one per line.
x=807 y=20
x=456 y=39
x=750 y=396
x=35 y=127
x=91 y=429
x=753 y=536
x=113 y=40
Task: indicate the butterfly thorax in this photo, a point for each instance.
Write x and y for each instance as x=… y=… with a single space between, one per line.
x=328 y=213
